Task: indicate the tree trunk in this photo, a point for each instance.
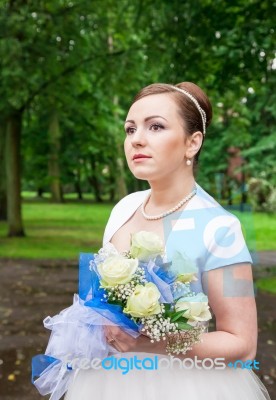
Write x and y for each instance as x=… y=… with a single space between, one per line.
x=120 y=183
x=39 y=192
x=78 y=183
x=3 y=183
x=13 y=138
x=112 y=180
x=94 y=181
x=121 y=189
x=53 y=165
x=229 y=192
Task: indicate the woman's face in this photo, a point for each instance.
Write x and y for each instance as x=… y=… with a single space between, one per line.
x=155 y=140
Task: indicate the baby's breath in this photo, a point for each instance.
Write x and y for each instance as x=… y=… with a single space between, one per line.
x=181 y=341
x=157 y=326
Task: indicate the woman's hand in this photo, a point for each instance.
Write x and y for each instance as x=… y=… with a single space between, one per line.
x=123 y=342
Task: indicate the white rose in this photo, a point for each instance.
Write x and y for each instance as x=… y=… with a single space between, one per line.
x=144 y=301
x=116 y=270
x=146 y=245
x=196 y=307
x=186 y=278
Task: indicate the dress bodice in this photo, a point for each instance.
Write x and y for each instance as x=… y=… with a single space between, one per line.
x=204 y=233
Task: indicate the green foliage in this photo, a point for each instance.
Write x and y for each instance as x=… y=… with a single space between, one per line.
x=86 y=60
x=262 y=195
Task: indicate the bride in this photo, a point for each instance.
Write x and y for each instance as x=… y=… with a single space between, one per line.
x=165 y=129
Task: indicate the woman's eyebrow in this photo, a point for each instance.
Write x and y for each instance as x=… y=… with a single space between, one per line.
x=146 y=119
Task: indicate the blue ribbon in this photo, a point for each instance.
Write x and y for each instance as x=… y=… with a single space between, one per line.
x=40 y=363
x=113 y=312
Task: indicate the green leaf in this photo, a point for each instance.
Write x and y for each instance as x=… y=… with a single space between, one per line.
x=167 y=306
x=183 y=326
x=116 y=302
x=177 y=315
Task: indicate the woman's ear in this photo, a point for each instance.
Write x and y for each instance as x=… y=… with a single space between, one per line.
x=193 y=143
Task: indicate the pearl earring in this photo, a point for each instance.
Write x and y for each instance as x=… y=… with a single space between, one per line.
x=188 y=162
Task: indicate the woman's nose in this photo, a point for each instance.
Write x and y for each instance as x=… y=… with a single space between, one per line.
x=138 y=138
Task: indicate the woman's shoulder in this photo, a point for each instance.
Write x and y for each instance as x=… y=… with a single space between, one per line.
x=220 y=233
x=122 y=211
x=129 y=203
x=205 y=201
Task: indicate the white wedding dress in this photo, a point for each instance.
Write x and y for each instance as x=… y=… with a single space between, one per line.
x=212 y=237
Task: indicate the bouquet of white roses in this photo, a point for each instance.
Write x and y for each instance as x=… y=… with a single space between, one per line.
x=139 y=291
x=152 y=292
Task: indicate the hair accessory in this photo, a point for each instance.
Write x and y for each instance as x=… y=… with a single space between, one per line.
x=172 y=210
x=196 y=103
x=188 y=162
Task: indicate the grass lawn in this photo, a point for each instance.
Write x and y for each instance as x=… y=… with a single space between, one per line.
x=259 y=230
x=267 y=284
x=64 y=230
x=57 y=230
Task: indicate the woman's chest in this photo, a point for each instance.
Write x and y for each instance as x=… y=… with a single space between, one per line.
x=122 y=237
x=181 y=247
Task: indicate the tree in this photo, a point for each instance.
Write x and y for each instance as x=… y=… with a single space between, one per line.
x=86 y=61
x=42 y=45
x=3 y=187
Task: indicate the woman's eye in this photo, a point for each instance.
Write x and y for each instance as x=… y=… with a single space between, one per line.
x=156 y=127
x=130 y=130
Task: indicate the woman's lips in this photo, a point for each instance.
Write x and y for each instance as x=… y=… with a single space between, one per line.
x=140 y=157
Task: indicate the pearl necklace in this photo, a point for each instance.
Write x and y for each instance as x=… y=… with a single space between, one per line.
x=172 y=210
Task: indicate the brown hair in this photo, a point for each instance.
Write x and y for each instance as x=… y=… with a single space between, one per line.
x=188 y=111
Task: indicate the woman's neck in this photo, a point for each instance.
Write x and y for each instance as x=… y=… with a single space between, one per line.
x=169 y=192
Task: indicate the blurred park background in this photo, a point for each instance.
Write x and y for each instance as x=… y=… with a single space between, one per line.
x=69 y=71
